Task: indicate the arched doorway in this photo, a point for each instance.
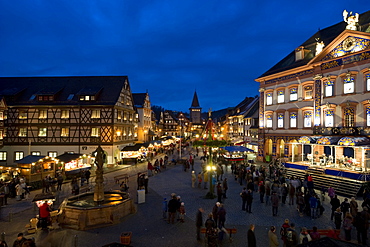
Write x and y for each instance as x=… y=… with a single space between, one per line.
x=349 y=152
x=268 y=150
x=280 y=148
x=294 y=150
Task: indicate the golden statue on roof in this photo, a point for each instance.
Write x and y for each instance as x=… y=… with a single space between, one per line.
x=351 y=20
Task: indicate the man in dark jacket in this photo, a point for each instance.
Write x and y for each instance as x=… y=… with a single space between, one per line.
x=172 y=208
x=251 y=237
x=335 y=203
x=19 y=241
x=249 y=201
x=199 y=221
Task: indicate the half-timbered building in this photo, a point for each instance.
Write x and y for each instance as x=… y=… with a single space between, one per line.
x=53 y=115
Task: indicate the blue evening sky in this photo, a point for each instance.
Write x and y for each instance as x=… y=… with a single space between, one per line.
x=170 y=48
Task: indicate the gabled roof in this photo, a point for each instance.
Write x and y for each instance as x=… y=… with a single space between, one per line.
x=195 y=102
x=22 y=90
x=139 y=99
x=246 y=108
x=327 y=35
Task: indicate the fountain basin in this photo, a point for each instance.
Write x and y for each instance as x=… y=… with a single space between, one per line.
x=82 y=213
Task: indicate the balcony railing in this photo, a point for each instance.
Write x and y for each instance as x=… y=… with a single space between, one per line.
x=336 y=131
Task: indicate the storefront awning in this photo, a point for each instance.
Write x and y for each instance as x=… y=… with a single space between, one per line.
x=328 y=140
x=353 y=141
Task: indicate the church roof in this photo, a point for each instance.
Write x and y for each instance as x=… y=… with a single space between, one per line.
x=195 y=103
x=327 y=35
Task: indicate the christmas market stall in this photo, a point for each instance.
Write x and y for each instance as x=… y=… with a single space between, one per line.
x=133 y=154
x=35 y=168
x=72 y=164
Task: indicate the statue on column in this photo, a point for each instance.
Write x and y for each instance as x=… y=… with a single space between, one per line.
x=99 y=180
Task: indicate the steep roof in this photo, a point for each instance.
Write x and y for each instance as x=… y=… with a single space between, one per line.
x=247 y=107
x=327 y=35
x=195 y=103
x=139 y=99
x=66 y=89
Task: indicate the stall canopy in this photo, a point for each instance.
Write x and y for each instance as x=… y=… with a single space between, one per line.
x=353 y=141
x=67 y=157
x=328 y=140
x=29 y=159
x=237 y=149
x=136 y=147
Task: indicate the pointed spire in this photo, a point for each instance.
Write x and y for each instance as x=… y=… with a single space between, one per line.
x=195 y=102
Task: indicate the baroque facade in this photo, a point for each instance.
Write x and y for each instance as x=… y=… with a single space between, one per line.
x=319 y=90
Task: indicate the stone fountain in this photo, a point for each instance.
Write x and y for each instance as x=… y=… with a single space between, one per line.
x=95 y=209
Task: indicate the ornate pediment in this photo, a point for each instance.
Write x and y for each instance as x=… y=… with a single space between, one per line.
x=350 y=44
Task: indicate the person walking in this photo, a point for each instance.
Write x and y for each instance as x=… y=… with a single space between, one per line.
x=304 y=237
x=199 y=221
x=215 y=212
x=353 y=207
x=291 y=194
x=243 y=195
x=172 y=208
x=262 y=191
x=182 y=212
x=283 y=231
x=200 y=179
x=338 y=218
x=219 y=192
x=221 y=215
x=291 y=236
x=274 y=203
x=273 y=239
x=347 y=226
x=344 y=207
x=251 y=237
x=313 y=206
x=59 y=181
x=249 y=201
x=335 y=203
x=193 y=179
x=225 y=187
x=267 y=192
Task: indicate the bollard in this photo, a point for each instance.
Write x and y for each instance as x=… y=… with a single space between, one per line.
x=75 y=241
x=2 y=236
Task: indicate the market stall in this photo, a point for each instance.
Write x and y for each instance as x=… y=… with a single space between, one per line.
x=35 y=167
x=72 y=164
x=133 y=154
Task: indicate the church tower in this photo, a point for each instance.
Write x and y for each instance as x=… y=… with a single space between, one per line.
x=195 y=110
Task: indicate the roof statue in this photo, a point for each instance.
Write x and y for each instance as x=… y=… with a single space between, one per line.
x=351 y=20
x=319 y=47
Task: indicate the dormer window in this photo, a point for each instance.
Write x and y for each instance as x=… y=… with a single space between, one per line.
x=87 y=97
x=299 y=53
x=45 y=97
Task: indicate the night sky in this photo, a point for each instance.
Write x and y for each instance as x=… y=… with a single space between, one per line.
x=170 y=48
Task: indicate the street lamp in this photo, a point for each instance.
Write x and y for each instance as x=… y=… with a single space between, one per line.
x=210 y=169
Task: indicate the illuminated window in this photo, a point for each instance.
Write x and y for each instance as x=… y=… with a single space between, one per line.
x=1 y=115
x=368 y=82
x=18 y=155
x=348 y=85
x=119 y=115
x=65 y=114
x=95 y=132
x=1 y=134
x=269 y=121
x=329 y=88
x=280 y=98
x=349 y=117
x=43 y=114
x=2 y=156
x=22 y=132
x=329 y=118
x=269 y=99
x=280 y=122
x=293 y=120
x=307 y=119
x=95 y=114
x=64 y=132
x=22 y=115
x=52 y=154
x=36 y=153
x=42 y=131
x=308 y=92
x=87 y=97
x=293 y=94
